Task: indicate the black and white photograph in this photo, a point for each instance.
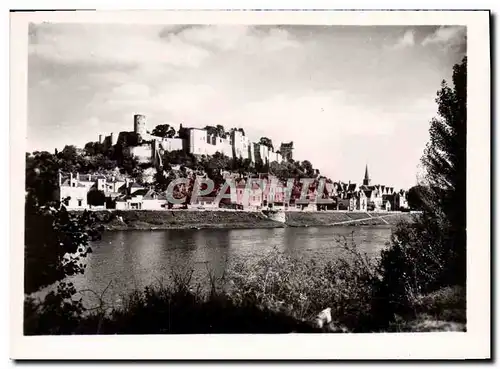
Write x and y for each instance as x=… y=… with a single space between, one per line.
x=221 y=178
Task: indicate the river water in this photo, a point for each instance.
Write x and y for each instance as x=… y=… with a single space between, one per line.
x=124 y=261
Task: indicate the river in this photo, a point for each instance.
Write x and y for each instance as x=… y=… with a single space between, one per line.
x=127 y=260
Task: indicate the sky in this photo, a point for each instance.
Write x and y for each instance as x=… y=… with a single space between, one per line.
x=347 y=96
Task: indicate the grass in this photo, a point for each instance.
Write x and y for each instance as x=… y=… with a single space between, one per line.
x=277 y=294
x=441 y=311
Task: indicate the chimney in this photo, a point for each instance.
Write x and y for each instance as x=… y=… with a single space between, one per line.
x=71 y=176
x=90 y=177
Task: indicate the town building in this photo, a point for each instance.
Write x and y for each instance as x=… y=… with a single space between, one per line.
x=142 y=199
x=71 y=192
x=249 y=198
x=275 y=194
x=366 y=197
x=204 y=203
x=366 y=180
x=93 y=191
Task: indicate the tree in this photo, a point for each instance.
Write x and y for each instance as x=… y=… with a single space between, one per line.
x=96 y=197
x=129 y=163
x=161 y=181
x=429 y=253
x=41 y=177
x=69 y=153
x=307 y=168
x=55 y=243
x=179 y=157
x=265 y=167
x=418 y=197
x=164 y=130
x=445 y=163
x=259 y=165
x=94 y=148
x=214 y=165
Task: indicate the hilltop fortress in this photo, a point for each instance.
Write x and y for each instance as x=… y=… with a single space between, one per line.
x=147 y=147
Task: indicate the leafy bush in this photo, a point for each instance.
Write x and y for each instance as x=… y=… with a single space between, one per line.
x=177 y=308
x=58 y=313
x=56 y=241
x=302 y=288
x=413 y=264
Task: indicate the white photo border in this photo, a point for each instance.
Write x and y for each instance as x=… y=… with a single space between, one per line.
x=475 y=343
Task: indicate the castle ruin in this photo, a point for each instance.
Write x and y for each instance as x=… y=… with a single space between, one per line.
x=196 y=141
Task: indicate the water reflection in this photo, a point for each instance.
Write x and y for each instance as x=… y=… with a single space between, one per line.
x=134 y=259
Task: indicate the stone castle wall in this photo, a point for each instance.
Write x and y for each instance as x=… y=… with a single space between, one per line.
x=199 y=142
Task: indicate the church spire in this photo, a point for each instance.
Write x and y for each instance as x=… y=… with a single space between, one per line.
x=366 y=181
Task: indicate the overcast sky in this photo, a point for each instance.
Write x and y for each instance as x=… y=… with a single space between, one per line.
x=347 y=96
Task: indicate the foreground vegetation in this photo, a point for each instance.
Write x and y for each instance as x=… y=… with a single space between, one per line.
x=417 y=283
x=278 y=294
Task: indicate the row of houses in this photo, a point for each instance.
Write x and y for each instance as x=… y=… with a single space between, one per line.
x=78 y=191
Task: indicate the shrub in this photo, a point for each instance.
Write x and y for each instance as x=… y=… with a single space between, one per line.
x=176 y=308
x=56 y=243
x=302 y=288
x=413 y=265
x=58 y=313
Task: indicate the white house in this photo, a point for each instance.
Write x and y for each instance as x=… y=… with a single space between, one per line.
x=72 y=193
x=142 y=199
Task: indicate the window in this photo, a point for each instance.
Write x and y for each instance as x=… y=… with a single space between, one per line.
x=73 y=184
x=79 y=202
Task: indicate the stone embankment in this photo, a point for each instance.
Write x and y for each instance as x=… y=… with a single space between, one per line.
x=118 y=220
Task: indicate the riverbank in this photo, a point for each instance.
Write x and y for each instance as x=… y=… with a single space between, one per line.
x=182 y=219
x=119 y=220
x=345 y=218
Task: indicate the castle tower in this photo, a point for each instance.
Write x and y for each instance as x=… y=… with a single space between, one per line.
x=286 y=150
x=140 y=124
x=113 y=138
x=366 y=181
x=101 y=139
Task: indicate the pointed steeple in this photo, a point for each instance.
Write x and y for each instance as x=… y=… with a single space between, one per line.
x=366 y=180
